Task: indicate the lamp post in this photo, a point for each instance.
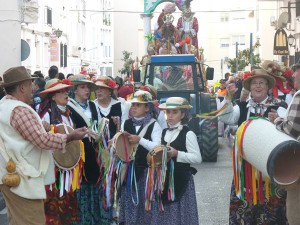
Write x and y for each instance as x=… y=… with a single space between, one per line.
x=291 y=40
x=58 y=33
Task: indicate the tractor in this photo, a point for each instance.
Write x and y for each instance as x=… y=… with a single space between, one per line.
x=182 y=76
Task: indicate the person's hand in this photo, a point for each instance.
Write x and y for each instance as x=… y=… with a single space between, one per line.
x=46 y=126
x=272 y=115
x=92 y=134
x=172 y=152
x=133 y=139
x=77 y=134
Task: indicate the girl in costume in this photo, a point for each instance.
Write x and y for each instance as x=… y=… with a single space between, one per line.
x=183 y=149
x=272 y=210
x=60 y=208
x=90 y=194
x=142 y=121
x=107 y=104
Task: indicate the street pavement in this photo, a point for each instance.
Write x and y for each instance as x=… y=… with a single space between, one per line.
x=212 y=182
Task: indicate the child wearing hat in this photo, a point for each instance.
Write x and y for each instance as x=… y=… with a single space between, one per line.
x=183 y=150
x=145 y=132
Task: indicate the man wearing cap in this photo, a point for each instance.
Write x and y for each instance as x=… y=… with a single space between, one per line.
x=259 y=104
x=25 y=141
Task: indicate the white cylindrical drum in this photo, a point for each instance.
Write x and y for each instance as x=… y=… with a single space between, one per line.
x=271 y=151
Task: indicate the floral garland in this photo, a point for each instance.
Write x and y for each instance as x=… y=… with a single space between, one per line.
x=143 y=98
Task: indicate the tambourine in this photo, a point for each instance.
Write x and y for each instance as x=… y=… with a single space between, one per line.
x=70 y=158
x=157 y=155
x=124 y=150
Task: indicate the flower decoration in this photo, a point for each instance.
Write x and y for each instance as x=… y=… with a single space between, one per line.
x=143 y=98
x=65 y=81
x=246 y=75
x=110 y=83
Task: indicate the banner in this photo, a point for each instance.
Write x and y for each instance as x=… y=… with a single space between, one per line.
x=54 y=48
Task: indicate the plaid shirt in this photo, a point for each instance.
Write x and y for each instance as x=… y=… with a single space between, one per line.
x=291 y=124
x=26 y=123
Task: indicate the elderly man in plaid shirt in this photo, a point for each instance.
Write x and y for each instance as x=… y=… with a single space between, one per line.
x=24 y=140
x=291 y=126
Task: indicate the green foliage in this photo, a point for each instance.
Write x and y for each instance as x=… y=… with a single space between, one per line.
x=243 y=60
x=127 y=63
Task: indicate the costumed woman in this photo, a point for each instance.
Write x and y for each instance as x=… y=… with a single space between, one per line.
x=188 y=27
x=61 y=207
x=107 y=104
x=272 y=210
x=183 y=150
x=90 y=194
x=145 y=132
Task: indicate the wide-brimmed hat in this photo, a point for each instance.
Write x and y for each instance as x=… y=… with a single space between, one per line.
x=55 y=85
x=106 y=82
x=15 y=75
x=175 y=103
x=141 y=97
x=272 y=68
x=259 y=73
x=80 y=79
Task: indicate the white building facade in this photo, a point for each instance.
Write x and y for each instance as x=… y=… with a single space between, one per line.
x=85 y=42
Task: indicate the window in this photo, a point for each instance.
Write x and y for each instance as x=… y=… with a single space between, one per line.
x=224 y=42
x=224 y=17
x=240 y=39
x=63 y=55
x=49 y=16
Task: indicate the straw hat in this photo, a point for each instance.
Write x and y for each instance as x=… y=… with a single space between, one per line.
x=55 y=85
x=80 y=79
x=259 y=73
x=106 y=82
x=15 y=75
x=175 y=103
x=272 y=68
x=141 y=97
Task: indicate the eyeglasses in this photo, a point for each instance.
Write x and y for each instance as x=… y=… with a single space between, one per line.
x=260 y=84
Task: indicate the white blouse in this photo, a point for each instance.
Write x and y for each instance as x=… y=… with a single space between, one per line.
x=155 y=136
x=193 y=154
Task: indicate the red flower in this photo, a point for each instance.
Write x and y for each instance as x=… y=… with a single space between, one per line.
x=111 y=83
x=246 y=75
x=66 y=81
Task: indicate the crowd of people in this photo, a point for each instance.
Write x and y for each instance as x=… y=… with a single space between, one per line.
x=32 y=106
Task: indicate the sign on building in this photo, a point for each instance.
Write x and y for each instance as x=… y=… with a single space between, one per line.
x=281 y=43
